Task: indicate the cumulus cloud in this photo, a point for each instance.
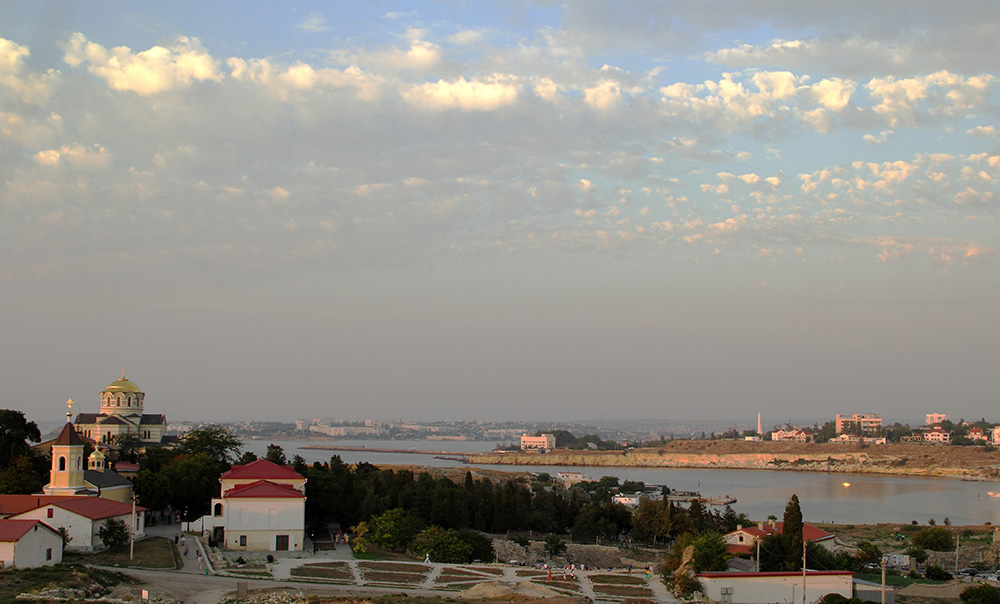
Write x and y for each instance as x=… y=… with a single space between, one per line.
x=314 y=23
x=462 y=94
x=148 y=72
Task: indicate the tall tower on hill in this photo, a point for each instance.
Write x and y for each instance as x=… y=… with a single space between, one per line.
x=66 y=475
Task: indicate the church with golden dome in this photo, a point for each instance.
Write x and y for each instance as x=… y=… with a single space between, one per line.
x=122 y=413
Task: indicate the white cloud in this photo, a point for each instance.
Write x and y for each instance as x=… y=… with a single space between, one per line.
x=314 y=23
x=148 y=72
x=833 y=93
x=462 y=94
x=604 y=96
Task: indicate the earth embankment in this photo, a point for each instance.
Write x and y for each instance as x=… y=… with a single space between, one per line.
x=975 y=463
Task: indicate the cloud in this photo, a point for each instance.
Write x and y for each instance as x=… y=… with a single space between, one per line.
x=462 y=94
x=152 y=71
x=604 y=96
x=314 y=23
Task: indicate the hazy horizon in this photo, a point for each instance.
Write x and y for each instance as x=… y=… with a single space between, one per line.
x=504 y=210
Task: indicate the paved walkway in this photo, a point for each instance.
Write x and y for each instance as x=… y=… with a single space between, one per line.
x=459 y=576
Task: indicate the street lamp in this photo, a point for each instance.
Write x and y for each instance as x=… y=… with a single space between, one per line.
x=131 y=530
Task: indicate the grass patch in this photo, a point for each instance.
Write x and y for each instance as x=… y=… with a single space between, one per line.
x=396 y=567
x=154 y=552
x=566 y=585
x=489 y=570
x=616 y=580
x=71 y=576
x=323 y=570
x=386 y=577
x=531 y=573
x=628 y=591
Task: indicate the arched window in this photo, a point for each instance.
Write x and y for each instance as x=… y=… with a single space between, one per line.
x=62 y=464
x=218 y=510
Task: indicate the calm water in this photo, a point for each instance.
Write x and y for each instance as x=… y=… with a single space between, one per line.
x=824 y=497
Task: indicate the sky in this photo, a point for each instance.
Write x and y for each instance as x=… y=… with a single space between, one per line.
x=506 y=210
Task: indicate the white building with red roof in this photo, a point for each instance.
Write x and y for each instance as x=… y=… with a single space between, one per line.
x=744 y=539
x=767 y=587
x=261 y=507
x=29 y=543
x=80 y=517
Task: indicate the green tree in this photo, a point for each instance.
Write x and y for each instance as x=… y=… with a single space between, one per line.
x=23 y=475
x=15 y=434
x=218 y=443
x=710 y=552
x=441 y=545
x=651 y=521
x=393 y=529
x=791 y=534
x=554 y=546
x=275 y=454
x=868 y=553
x=129 y=446
x=935 y=538
x=113 y=533
x=982 y=593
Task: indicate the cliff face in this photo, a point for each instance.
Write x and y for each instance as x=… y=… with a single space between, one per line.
x=910 y=460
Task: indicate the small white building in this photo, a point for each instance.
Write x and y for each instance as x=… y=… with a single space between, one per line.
x=767 y=587
x=29 y=543
x=545 y=442
x=83 y=517
x=261 y=507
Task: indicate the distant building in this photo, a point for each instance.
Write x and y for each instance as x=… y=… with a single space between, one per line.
x=865 y=423
x=977 y=434
x=122 y=413
x=792 y=434
x=857 y=439
x=744 y=539
x=937 y=435
x=571 y=478
x=995 y=434
x=934 y=419
x=545 y=442
x=71 y=474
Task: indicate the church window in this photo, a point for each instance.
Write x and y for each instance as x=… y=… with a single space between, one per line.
x=62 y=464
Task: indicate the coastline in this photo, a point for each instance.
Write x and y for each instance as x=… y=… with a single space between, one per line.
x=970 y=463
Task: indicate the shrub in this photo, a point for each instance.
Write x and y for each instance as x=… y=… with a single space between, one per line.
x=936 y=573
x=113 y=533
x=981 y=594
x=934 y=538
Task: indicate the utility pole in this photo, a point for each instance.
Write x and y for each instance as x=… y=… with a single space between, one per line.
x=758 y=555
x=804 y=548
x=883 y=579
x=131 y=530
x=958 y=538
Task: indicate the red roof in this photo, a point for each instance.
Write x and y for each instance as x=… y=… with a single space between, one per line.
x=809 y=532
x=262 y=489
x=262 y=469
x=13 y=530
x=12 y=505
x=96 y=508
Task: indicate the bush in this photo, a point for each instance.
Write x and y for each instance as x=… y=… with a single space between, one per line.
x=936 y=573
x=981 y=594
x=441 y=545
x=113 y=533
x=934 y=538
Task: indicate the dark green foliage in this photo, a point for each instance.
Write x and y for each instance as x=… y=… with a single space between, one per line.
x=113 y=533
x=275 y=454
x=22 y=470
x=917 y=553
x=791 y=534
x=482 y=546
x=981 y=594
x=772 y=553
x=441 y=545
x=833 y=598
x=217 y=443
x=15 y=434
x=393 y=529
x=935 y=538
x=554 y=546
x=710 y=552
x=936 y=573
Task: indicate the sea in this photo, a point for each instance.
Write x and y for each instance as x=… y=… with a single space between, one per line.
x=824 y=498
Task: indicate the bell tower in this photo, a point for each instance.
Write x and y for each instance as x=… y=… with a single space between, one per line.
x=66 y=475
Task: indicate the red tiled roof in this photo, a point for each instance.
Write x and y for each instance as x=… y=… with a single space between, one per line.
x=262 y=489
x=96 y=508
x=809 y=532
x=262 y=470
x=13 y=530
x=12 y=505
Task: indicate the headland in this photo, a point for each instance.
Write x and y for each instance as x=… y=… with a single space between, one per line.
x=970 y=463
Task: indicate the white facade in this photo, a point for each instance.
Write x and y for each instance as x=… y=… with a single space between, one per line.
x=545 y=442
x=83 y=524
x=28 y=544
x=935 y=418
x=764 y=588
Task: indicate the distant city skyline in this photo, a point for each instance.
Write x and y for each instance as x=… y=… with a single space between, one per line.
x=536 y=211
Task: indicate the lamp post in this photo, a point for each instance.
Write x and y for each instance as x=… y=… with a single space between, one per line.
x=131 y=530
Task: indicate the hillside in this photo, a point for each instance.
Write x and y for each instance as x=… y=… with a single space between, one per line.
x=911 y=460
